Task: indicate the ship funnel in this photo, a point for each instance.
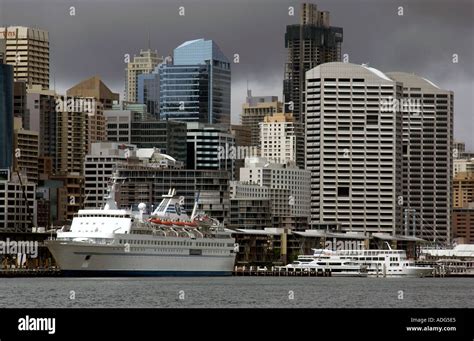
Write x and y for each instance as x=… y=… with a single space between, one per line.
x=141 y=209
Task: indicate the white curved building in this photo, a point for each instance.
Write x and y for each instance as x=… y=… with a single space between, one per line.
x=353 y=148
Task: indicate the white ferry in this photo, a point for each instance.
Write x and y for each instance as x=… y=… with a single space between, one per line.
x=382 y=263
x=116 y=242
x=327 y=262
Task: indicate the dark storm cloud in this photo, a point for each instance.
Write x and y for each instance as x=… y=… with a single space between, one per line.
x=422 y=41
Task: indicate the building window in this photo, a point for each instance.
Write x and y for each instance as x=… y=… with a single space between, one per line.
x=372 y=119
x=343 y=191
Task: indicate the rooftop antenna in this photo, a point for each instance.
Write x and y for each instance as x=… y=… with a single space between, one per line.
x=149 y=45
x=248 y=92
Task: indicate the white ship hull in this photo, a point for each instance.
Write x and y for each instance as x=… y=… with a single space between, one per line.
x=406 y=271
x=84 y=259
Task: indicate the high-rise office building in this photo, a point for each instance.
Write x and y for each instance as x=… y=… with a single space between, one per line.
x=353 y=148
x=148 y=91
x=101 y=98
x=310 y=43
x=41 y=105
x=254 y=110
x=27 y=49
x=427 y=112
x=6 y=116
x=71 y=142
x=144 y=63
x=26 y=151
x=278 y=138
x=196 y=87
x=20 y=107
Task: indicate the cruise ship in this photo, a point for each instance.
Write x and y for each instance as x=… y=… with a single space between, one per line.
x=118 y=242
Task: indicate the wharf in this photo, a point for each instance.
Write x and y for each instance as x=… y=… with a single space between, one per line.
x=48 y=272
x=280 y=271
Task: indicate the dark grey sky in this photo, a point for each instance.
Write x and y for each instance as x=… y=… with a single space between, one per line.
x=95 y=40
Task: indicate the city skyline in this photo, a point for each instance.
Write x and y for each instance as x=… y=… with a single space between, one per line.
x=262 y=54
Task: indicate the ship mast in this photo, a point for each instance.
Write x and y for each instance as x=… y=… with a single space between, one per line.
x=110 y=203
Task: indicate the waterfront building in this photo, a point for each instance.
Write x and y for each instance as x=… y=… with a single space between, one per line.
x=250 y=206
x=427 y=168
x=148 y=183
x=463 y=223
x=288 y=190
x=353 y=148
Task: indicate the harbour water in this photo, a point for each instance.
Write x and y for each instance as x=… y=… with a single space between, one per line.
x=237 y=292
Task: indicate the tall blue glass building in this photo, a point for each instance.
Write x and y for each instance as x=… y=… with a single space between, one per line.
x=148 y=91
x=6 y=116
x=196 y=87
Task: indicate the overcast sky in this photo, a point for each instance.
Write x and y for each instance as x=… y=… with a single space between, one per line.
x=94 y=41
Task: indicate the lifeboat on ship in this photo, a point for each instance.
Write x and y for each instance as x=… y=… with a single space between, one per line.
x=179 y=223
x=158 y=221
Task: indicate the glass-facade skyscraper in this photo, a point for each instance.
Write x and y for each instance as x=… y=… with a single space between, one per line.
x=196 y=87
x=149 y=91
x=6 y=116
